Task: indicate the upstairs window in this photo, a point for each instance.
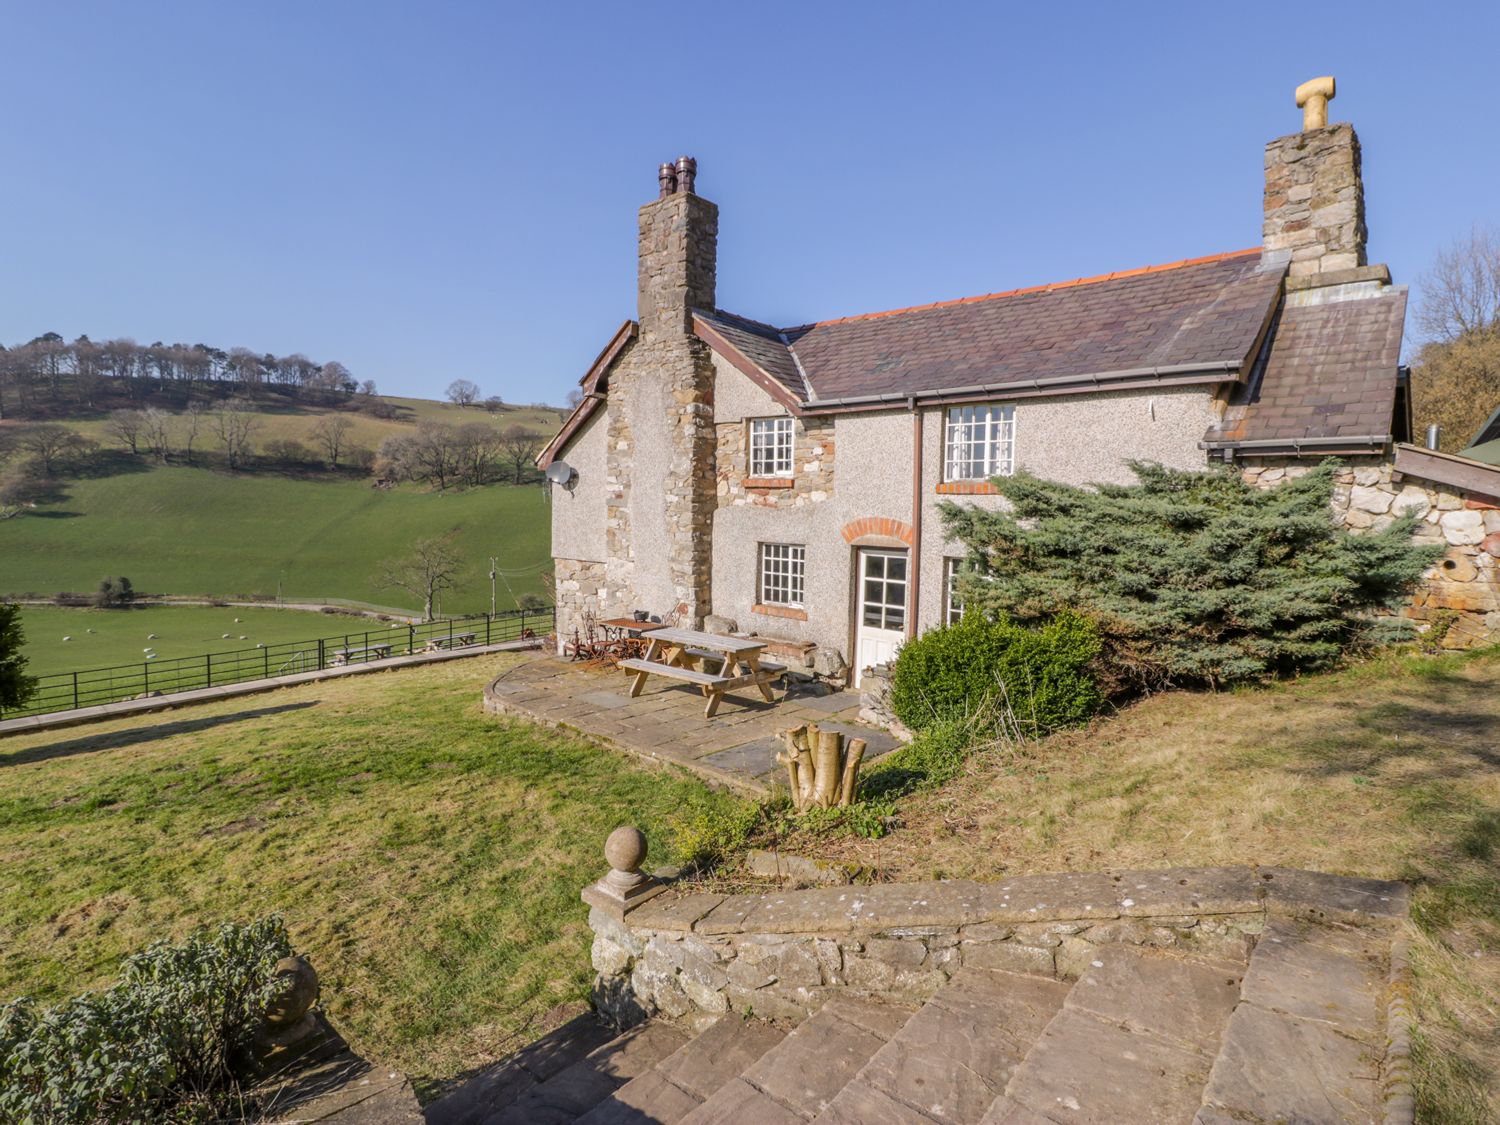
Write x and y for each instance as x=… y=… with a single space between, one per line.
x=770 y=447
x=980 y=442
x=783 y=571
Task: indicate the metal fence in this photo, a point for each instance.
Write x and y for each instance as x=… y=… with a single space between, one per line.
x=65 y=691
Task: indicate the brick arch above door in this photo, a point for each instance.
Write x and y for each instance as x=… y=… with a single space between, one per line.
x=878 y=531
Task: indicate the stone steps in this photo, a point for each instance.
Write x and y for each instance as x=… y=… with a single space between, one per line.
x=1143 y=1035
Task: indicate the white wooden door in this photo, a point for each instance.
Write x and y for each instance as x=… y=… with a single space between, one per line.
x=880 y=621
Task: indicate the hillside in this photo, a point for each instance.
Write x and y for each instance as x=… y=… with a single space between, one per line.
x=195 y=531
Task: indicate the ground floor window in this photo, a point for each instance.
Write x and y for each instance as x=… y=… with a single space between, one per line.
x=783 y=570
x=953 y=606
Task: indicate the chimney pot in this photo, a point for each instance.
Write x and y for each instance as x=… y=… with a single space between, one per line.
x=1313 y=97
x=687 y=171
x=666 y=177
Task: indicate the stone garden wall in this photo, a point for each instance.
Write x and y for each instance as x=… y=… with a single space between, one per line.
x=579 y=595
x=781 y=954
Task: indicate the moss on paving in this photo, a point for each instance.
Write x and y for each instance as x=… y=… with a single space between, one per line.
x=428 y=858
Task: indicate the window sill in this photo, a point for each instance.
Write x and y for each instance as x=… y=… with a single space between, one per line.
x=789 y=612
x=769 y=482
x=967 y=488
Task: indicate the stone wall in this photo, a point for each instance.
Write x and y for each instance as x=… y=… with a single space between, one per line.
x=781 y=954
x=811 y=481
x=1460 y=595
x=1315 y=200
x=580 y=594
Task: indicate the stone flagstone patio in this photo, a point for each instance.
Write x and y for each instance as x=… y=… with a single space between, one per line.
x=737 y=747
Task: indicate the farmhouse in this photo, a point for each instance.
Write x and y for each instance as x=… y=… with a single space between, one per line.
x=785 y=481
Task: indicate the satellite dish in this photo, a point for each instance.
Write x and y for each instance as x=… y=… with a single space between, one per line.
x=560 y=472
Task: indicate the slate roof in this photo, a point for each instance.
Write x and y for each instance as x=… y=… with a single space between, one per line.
x=1488 y=432
x=1203 y=312
x=1330 y=373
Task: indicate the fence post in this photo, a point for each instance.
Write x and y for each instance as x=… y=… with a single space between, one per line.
x=75 y=691
x=208 y=669
x=487 y=620
x=320 y=654
x=145 y=677
x=266 y=661
x=411 y=638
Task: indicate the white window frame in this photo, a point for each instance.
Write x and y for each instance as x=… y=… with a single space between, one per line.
x=781 y=574
x=771 y=447
x=979 y=442
x=953 y=608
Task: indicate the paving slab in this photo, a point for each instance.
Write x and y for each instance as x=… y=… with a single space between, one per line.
x=1179 y=999
x=1085 y=1070
x=739 y=1103
x=724 y=1051
x=1275 y=1067
x=1316 y=973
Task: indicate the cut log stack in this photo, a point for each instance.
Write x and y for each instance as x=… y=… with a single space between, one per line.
x=822 y=770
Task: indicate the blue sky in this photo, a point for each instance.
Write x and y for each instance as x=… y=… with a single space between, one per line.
x=435 y=190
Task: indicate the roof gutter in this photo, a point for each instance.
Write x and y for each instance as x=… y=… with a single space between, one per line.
x=1221 y=371
x=1297 y=445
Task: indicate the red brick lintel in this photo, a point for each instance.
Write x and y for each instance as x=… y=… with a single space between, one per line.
x=769 y=482
x=967 y=488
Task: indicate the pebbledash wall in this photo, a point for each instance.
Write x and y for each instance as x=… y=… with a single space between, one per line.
x=1460 y=595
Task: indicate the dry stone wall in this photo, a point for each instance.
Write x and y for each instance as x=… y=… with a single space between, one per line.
x=1460 y=595
x=781 y=954
x=1314 y=200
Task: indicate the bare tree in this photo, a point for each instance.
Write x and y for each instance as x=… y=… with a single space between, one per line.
x=462 y=392
x=156 y=432
x=331 y=432
x=1461 y=289
x=235 y=423
x=19 y=490
x=52 y=445
x=367 y=388
x=494 y=404
x=521 y=447
x=126 y=426
x=432 y=566
x=192 y=424
x=575 y=396
x=476 y=446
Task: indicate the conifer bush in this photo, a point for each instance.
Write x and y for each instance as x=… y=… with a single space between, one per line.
x=159 y=1045
x=1193 y=578
x=1042 y=675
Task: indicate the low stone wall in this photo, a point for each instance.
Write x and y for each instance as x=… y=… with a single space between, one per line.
x=781 y=954
x=1460 y=595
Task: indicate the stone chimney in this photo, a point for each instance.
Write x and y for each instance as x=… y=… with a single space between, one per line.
x=660 y=464
x=1315 y=197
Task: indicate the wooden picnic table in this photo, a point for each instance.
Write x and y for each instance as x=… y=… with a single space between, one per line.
x=457 y=640
x=344 y=655
x=727 y=663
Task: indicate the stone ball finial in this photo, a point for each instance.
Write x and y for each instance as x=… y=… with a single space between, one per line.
x=1313 y=97
x=296 y=990
x=626 y=849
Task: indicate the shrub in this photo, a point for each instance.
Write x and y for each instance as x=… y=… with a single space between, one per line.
x=114 y=593
x=16 y=687
x=161 y=1044
x=1191 y=577
x=1043 y=675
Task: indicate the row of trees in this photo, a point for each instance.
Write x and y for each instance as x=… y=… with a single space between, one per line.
x=51 y=369
x=469 y=454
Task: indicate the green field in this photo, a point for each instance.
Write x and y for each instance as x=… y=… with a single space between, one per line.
x=104 y=637
x=427 y=857
x=193 y=531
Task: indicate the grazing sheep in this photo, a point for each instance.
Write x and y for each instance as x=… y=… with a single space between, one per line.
x=243 y=637
x=67 y=638
x=151 y=636
x=225 y=637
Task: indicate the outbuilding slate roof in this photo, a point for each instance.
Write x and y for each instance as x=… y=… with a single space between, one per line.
x=1330 y=373
x=1205 y=312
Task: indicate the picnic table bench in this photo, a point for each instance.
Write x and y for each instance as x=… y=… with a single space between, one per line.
x=728 y=663
x=368 y=652
x=457 y=640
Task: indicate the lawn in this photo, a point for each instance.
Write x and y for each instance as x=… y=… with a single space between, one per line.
x=104 y=637
x=428 y=858
x=1388 y=769
x=194 y=531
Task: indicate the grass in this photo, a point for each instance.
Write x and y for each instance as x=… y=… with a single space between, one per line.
x=428 y=858
x=1388 y=769
x=104 y=637
x=193 y=531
